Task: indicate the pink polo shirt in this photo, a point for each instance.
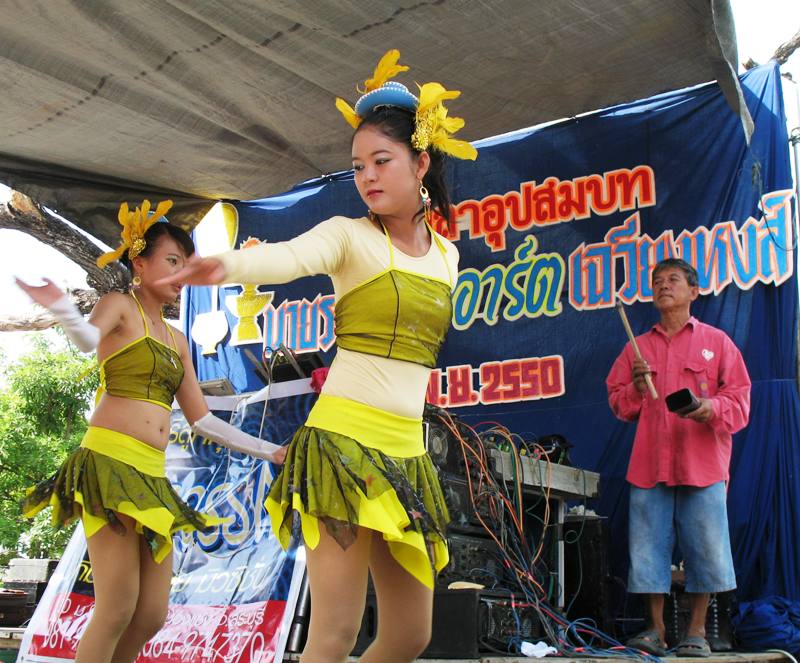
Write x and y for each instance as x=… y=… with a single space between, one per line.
x=670 y=449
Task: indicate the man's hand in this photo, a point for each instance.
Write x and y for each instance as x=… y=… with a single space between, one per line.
x=703 y=413
x=640 y=369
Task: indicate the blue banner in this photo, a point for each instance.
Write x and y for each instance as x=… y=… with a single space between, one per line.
x=552 y=224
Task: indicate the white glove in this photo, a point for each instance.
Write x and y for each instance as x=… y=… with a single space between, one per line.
x=82 y=333
x=221 y=432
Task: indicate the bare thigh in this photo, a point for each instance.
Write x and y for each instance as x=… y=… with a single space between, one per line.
x=115 y=573
x=338 y=584
x=405 y=609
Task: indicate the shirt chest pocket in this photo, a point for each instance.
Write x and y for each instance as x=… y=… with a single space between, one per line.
x=701 y=379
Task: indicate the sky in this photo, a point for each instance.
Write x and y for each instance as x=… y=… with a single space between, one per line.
x=761 y=26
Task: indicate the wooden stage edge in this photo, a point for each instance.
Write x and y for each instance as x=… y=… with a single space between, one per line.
x=10 y=639
x=721 y=657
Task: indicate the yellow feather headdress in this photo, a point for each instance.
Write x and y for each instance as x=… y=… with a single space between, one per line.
x=134 y=225
x=434 y=129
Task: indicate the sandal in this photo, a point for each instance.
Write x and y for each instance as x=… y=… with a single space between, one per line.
x=649 y=642
x=694 y=646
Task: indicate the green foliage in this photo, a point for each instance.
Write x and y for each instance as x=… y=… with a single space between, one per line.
x=42 y=418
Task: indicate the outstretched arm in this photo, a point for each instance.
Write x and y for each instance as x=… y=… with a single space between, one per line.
x=193 y=404
x=85 y=334
x=321 y=250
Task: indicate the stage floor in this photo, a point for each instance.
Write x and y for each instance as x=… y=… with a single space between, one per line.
x=729 y=657
x=10 y=639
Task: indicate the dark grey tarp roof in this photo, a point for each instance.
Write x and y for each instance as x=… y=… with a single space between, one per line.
x=111 y=100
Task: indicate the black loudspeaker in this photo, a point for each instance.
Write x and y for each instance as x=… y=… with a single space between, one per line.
x=443 y=446
x=463 y=515
x=586 y=571
x=473 y=559
x=718 y=619
x=465 y=622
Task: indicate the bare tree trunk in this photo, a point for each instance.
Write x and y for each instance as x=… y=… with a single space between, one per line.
x=23 y=214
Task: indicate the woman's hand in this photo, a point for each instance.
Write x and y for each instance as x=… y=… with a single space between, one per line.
x=197 y=271
x=46 y=295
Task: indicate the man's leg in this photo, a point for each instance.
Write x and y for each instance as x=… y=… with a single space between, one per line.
x=701 y=518
x=651 y=538
x=698 y=603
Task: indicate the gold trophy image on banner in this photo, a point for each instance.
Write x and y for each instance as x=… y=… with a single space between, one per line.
x=247 y=306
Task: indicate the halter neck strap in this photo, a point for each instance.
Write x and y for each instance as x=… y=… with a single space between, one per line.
x=434 y=238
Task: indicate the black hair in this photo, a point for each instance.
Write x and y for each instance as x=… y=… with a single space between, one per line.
x=677 y=263
x=153 y=236
x=399 y=125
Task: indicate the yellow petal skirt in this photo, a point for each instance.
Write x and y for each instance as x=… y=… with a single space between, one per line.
x=331 y=477
x=112 y=473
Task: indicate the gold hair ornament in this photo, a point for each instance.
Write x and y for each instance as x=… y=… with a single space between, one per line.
x=134 y=225
x=433 y=128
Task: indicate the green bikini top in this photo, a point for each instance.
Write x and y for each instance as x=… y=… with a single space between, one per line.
x=397 y=313
x=144 y=370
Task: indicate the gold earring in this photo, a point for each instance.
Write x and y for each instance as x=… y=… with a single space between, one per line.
x=136 y=281
x=426 y=202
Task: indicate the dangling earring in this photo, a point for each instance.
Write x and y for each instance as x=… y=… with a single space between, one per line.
x=426 y=202
x=372 y=216
x=136 y=281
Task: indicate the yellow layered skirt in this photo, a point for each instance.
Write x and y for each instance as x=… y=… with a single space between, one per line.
x=355 y=466
x=112 y=473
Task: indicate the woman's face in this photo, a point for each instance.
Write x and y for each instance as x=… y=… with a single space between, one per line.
x=166 y=259
x=387 y=173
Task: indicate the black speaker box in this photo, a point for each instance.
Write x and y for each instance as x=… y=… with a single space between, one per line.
x=463 y=515
x=586 y=570
x=465 y=622
x=719 y=632
x=473 y=559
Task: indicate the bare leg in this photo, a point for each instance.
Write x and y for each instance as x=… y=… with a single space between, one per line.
x=151 y=608
x=338 y=583
x=697 y=618
x=405 y=609
x=115 y=571
x=655 y=607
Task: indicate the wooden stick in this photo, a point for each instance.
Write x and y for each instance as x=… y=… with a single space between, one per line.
x=647 y=377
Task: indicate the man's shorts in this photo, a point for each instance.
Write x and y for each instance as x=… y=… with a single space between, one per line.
x=695 y=518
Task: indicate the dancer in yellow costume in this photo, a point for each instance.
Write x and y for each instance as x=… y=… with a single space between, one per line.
x=115 y=481
x=358 y=466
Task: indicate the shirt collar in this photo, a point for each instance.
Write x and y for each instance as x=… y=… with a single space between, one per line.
x=691 y=322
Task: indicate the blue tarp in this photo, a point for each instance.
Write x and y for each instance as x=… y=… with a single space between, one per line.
x=552 y=222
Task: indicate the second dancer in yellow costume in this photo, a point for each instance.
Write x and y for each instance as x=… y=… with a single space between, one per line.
x=358 y=466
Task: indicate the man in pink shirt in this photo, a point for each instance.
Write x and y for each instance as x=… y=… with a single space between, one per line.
x=678 y=469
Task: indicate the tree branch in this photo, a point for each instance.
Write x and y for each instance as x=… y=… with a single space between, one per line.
x=781 y=54
x=784 y=51
x=23 y=214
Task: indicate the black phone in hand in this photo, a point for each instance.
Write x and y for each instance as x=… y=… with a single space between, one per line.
x=682 y=402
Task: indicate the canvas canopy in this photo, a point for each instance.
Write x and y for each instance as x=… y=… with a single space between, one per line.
x=116 y=100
